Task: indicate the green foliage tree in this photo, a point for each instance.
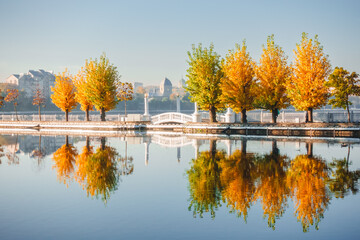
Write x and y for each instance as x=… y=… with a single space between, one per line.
x=102 y=79
x=204 y=77
x=343 y=86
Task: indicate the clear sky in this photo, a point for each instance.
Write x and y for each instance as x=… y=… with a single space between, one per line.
x=148 y=40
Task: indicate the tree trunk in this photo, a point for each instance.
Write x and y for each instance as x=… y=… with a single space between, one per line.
x=310 y=115
x=67 y=140
x=274 y=115
x=102 y=114
x=103 y=142
x=309 y=148
x=243 y=116
x=275 y=149
x=243 y=146
x=66 y=115
x=212 y=114
x=212 y=148
x=88 y=143
x=348 y=111
x=87 y=114
x=125 y=108
x=39 y=113
x=17 y=118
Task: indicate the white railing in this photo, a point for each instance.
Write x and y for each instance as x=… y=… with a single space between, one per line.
x=171 y=117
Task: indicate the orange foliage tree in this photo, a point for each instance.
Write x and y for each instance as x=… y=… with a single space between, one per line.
x=38 y=100
x=238 y=84
x=125 y=92
x=307 y=89
x=64 y=159
x=272 y=189
x=80 y=94
x=64 y=93
x=238 y=178
x=273 y=73
x=307 y=178
x=12 y=95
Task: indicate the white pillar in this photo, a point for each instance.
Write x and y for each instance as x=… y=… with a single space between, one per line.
x=229 y=116
x=261 y=116
x=178 y=103
x=228 y=145
x=146 y=105
x=196 y=115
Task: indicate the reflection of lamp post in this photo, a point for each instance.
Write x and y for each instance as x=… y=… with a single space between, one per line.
x=147 y=142
x=228 y=145
x=196 y=147
x=178 y=154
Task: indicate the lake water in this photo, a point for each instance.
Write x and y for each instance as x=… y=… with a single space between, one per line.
x=176 y=187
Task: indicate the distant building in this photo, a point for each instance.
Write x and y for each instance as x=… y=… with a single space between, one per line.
x=30 y=81
x=165 y=88
x=182 y=83
x=137 y=85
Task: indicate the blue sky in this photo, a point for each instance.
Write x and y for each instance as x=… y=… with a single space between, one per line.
x=148 y=40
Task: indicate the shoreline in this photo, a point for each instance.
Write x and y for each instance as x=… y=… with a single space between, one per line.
x=328 y=130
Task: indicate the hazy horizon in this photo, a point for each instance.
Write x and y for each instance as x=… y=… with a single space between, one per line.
x=149 y=40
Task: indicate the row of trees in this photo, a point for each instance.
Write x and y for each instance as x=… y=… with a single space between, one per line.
x=96 y=85
x=243 y=178
x=238 y=82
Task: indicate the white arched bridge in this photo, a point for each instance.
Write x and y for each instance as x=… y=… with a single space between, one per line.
x=171 y=117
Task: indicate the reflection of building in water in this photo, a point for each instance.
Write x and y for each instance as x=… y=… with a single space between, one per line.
x=49 y=144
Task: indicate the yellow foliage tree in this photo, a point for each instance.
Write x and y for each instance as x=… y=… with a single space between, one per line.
x=102 y=79
x=64 y=159
x=307 y=89
x=125 y=92
x=307 y=179
x=238 y=84
x=273 y=73
x=80 y=94
x=64 y=93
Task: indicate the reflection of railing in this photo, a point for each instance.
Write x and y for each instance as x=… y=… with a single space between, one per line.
x=171 y=117
x=166 y=141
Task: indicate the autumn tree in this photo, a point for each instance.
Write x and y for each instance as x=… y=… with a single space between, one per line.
x=80 y=94
x=273 y=73
x=238 y=178
x=272 y=189
x=102 y=78
x=239 y=84
x=204 y=76
x=64 y=93
x=12 y=95
x=64 y=161
x=38 y=99
x=307 y=89
x=343 y=85
x=204 y=182
x=307 y=178
x=125 y=92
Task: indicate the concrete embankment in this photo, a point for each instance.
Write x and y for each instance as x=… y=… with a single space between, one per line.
x=252 y=129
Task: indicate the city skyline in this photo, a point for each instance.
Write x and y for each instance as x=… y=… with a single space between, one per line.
x=148 y=41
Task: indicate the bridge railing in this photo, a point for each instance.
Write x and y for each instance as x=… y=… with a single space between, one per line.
x=171 y=117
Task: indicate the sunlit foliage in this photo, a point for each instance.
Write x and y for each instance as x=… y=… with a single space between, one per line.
x=307 y=179
x=204 y=76
x=12 y=95
x=125 y=92
x=80 y=94
x=102 y=79
x=307 y=89
x=64 y=93
x=343 y=85
x=239 y=83
x=38 y=99
x=273 y=73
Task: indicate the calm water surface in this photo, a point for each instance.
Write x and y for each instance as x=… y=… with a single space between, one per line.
x=177 y=187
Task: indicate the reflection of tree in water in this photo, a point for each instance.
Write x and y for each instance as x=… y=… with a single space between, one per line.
x=307 y=177
x=1 y=152
x=204 y=181
x=12 y=157
x=238 y=180
x=38 y=154
x=343 y=180
x=97 y=171
x=272 y=189
x=64 y=159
